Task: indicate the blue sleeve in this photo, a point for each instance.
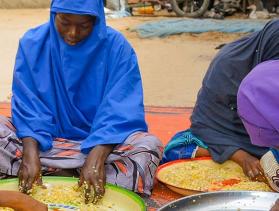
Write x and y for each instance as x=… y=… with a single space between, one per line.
x=29 y=113
x=121 y=112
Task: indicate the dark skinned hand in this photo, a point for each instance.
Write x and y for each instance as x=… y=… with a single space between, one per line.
x=30 y=167
x=20 y=202
x=93 y=175
x=275 y=206
x=251 y=165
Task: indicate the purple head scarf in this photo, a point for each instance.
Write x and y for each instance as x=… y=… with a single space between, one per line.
x=258 y=104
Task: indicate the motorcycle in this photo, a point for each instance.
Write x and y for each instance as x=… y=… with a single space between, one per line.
x=196 y=8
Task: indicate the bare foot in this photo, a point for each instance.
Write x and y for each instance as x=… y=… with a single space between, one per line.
x=201 y=152
x=250 y=165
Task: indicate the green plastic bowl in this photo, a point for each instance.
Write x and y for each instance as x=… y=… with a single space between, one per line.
x=124 y=200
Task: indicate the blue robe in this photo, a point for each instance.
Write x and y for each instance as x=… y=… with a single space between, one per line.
x=90 y=92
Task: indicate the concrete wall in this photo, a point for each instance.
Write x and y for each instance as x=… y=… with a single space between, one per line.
x=9 y=4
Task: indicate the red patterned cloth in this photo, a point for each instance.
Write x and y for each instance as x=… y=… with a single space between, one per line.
x=131 y=165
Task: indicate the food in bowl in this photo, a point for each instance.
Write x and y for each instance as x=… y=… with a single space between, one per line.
x=64 y=197
x=206 y=175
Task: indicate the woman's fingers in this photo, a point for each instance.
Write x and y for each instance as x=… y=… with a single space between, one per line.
x=30 y=181
x=261 y=176
x=254 y=171
x=29 y=171
x=85 y=183
x=94 y=166
x=87 y=180
x=97 y=183
x=27 y=177
x=88 y=192
x=99 y=189
x=94 y=184
x=81 y=180
x=39 y=182
x=101 y=181
x=20 y=178
x=27 y=182
x=23 y=180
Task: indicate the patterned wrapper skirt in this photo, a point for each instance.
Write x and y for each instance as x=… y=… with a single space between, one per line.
x=131 y=165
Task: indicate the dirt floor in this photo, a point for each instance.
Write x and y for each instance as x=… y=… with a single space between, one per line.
x=172 y=68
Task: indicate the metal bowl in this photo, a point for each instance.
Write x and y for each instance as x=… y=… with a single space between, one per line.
x=225 y=201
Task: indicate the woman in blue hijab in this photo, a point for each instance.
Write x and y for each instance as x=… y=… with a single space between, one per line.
x=78 y=104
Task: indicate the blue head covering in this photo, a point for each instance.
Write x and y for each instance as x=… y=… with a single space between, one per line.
x=90 y=92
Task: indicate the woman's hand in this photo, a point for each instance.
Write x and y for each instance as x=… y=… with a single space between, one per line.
x=30 y=167
x=275 y=206
x=93 y=175
x=251 y=165
x=20 y=202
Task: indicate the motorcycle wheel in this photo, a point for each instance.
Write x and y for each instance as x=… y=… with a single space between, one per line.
x=190 y=8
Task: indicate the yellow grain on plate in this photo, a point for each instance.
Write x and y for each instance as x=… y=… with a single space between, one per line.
x=206 y=175
x=67 y=194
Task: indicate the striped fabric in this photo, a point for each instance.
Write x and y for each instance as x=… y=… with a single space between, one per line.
x=131 y=165
x=271 y=169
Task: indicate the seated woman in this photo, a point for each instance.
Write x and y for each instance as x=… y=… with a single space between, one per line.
x=78 y=104
x=216 y=128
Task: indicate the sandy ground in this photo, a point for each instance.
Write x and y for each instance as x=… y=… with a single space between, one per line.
x=172 y=68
